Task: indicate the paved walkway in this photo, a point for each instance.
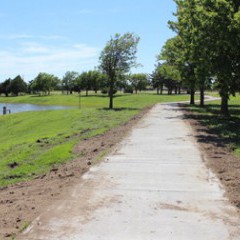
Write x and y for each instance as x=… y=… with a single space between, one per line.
x=154 y=187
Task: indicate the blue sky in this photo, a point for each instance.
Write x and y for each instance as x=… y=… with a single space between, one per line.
x=56 y=36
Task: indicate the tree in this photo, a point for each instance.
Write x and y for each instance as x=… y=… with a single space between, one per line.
x=157 y=79
x=218 y=18
x=68 y=81
x=210 y=35
x=5 y=86
x=18 y=85
x=176 y=55
x=117 y=58
x=78 y=84
x=44 y=83
x=139 y=81
x=85 y=81
x=94 y=78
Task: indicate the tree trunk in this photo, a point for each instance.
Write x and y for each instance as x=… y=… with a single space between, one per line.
x=176 y=90
x=224 y=105
x=192 y=98
x=202 y=96
x=111 y=95
x=86 y=92
x=161 y=89
x=179 y=90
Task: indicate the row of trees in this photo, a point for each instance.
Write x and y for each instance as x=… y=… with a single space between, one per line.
x=71 y=82
x=166 y=76
x=205 y=49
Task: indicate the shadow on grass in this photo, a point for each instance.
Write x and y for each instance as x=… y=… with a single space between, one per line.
x=219 y=130
x=41 y=96
x=119 y=109
x=169 y=95
x=77 y=96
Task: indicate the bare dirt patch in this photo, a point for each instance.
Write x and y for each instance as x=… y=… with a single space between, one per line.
x=22 y=203
x=218 y=157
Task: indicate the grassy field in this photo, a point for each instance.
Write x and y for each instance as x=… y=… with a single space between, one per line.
x=227 y=128
x=95 y=101
x=32 y=142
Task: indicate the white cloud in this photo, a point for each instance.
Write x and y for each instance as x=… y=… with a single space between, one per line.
x=27 y=36
x=15 y=36
x=33 y=47
x=51 y=37
x=32 y=58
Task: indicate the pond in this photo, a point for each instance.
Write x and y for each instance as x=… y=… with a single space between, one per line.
x=20 y=107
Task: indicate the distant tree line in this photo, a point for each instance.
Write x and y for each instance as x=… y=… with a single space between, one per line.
x=93 y=80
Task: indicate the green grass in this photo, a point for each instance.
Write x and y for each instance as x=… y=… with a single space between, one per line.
x=33 y=142
x=212 y=93
x=226 y=128
x=95 y=101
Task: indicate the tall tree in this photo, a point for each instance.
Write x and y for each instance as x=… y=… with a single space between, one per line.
x=117 y=58
x=210 y=35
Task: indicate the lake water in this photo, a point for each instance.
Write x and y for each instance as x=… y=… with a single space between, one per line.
x=19 y=107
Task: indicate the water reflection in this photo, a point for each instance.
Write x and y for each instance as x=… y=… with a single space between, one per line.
x=19 y=107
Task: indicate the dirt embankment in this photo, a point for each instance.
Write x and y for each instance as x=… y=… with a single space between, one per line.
x=22 y=203
x=217 y=156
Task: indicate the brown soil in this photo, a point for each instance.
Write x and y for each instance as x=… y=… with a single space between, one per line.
x=22 y=203
x=218 y=157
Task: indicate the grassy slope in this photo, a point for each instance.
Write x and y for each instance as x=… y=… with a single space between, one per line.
x=227 y=128
x=32 y=142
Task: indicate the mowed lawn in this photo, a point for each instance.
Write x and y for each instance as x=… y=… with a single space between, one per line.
x=227 y=128
x=96 y=101
x=32 y=142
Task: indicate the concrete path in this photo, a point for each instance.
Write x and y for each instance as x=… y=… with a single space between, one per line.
x=155 y=186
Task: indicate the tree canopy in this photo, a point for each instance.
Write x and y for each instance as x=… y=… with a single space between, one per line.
x=117 y=58
x=206 y=45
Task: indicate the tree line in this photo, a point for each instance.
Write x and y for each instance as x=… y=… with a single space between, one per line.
x=72 y=81
x=205 y=50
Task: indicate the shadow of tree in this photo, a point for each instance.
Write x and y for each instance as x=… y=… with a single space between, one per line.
x=100 y=96
x=119 y=109
x=219 y=130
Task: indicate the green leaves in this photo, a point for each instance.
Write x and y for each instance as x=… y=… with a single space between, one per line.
x=117 y=58
x=207 y=44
